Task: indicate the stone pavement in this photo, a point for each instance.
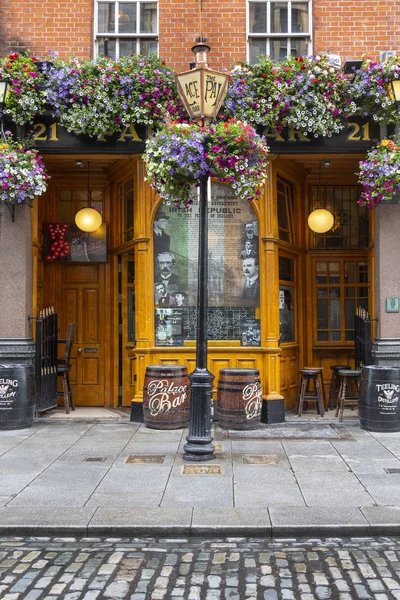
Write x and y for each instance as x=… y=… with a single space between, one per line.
x=195 y=569
x=112 y=477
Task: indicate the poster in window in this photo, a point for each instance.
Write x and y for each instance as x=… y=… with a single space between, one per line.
x=65 y=242
x=233 y=252
x=250 y=334
x=286 y=314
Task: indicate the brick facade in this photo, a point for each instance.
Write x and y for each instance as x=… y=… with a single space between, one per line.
x=349 y=28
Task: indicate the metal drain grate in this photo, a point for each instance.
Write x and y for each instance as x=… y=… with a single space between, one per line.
x=392 y=471
x=95 y=459
x=202 y=470
x=261 y=459
x=145 y=459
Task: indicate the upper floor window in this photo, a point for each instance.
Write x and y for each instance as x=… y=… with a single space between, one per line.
x=279 y=29
x=125 y=28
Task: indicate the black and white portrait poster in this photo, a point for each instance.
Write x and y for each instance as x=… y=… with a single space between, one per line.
x=233 y=252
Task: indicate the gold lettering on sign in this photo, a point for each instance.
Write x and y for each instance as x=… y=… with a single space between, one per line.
x=296 y=135
x=101 y=137
x=45 y=134
x=129 y=132
x=355 y=136
x=272 y=132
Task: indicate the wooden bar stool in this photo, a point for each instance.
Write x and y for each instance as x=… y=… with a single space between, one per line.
x=349 y=382
x=334 y=389
x=321 y=383
x=307 y=394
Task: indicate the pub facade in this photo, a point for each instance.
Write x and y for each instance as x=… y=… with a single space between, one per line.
x=280 y=296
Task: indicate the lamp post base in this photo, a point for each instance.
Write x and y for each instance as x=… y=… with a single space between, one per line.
x=199 y=445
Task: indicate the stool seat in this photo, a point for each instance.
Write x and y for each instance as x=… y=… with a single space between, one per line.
x=350 y=372
x=307 y=375
x=334 y=389
x=348 y=389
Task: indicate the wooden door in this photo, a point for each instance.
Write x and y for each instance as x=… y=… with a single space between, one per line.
x=83 y=302
x=127 y=327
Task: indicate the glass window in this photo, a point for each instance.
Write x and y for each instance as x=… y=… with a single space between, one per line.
x=233 y=271
x=285 y=202
x=279 y=29
x=351 y=226
x=125 y=28
x=126 y=204
x=339 y=293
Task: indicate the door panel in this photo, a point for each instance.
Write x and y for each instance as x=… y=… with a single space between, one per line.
x=127 y=328
x=82 y=301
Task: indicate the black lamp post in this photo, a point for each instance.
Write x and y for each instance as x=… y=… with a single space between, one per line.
x=202 y=91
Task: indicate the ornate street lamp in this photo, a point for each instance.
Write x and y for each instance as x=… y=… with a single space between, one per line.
x=202 y=91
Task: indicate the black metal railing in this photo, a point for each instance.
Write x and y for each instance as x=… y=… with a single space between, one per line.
x=46 y=360
x=363 y=338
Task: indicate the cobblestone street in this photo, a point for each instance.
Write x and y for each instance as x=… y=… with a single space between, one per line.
x=231 y=569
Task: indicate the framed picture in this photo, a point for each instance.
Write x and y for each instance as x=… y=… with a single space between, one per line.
x=65 y=242
x=250 y=334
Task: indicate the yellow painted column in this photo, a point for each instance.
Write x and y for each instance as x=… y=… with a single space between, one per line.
x=270 y=301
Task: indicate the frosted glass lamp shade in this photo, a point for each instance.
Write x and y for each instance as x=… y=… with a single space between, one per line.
x=88 y=219
x=320 y=220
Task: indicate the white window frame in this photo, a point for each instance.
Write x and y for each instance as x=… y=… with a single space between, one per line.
x=268 y=36
x=137 y=36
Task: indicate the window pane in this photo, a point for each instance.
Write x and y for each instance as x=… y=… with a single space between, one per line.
x=127 y=17
x=257 y=47
x=148 y=17
x=336 y=336
x=300 y=18
x=127 y=47
x=349 y=307
x=322 y=314
x=286 y=313
x=148 y=47
x=335 y=314
x=322 y=336
x=257 y=17
x=106 y=17
x=286 y=269
x=299 y=47
x=278 y=49
x=279 y=17
x=107 y=48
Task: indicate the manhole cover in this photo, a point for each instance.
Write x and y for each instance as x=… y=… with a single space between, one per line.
x=202 y=470
x=261 y=459
x=95 y=459
x=145 y=459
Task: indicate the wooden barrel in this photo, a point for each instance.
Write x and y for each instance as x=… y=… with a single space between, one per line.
x=239 y=398
x=379 y=398
x=17 y=396
x=166 y=397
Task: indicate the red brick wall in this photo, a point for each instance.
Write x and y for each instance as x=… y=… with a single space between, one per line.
x=352 y=28
x=346 y=27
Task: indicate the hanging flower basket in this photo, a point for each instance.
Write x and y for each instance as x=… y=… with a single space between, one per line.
x=104 y=95
x=380 y=174
x=181 y=154
x=22 y=173
x=26 y=76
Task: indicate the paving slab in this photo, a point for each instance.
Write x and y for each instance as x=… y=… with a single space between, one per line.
x=241 y=521
x=141 y=521
x=383 y=520
x=319 y=521
x=42 y=521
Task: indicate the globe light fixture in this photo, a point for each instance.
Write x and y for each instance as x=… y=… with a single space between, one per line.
x=320 y=220
x=88 y=219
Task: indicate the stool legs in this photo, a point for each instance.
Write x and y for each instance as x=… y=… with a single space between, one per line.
x=305 y=394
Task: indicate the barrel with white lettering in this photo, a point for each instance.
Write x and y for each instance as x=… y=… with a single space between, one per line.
x=17 y=396
x=166 y=397
x=379 y=398
x=239 y=399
